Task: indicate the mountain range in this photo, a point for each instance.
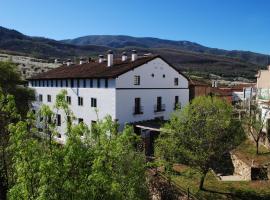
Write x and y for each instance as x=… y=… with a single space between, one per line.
x=188 y=56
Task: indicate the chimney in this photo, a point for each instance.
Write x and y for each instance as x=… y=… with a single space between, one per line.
x=134 y=55
x=100 y=58
x=110 y=58
x=68 y=62
x=214 y=83
x=147 y=54
x=82 y=61
x=124 y=56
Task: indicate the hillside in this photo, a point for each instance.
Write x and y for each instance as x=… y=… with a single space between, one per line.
x=122 y=41
x=191 y=57
x=14 y=41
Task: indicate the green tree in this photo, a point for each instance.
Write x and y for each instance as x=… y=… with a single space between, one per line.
x=27 y=156
x=254 y=123
x=94 y=163
x=11 y=83
x=8 y=114
x=200 y=134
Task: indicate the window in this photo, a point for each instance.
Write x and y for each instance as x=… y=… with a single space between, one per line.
x=56 y=83
x=49 y=98
x=68 y=98
x=80 y=101
x=176 y=102
x=93 y=125
x=159 y=101
x=137 y=106
x=163 y=76
x=66 y=83
x=72 y=83
x=93 y=102
x=40 y=97
x=80 y=120
x=68 y=119
x=61 y=83
x=58 y=120
x=78 y=83
x=98 y=83
x=175 y=81
x=84 y=83
x=159 y=106
x=106 y=83
x=91 y=83
x=153 y=75
x=137 y=80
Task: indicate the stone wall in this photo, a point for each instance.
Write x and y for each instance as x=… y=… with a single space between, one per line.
x=241 y=168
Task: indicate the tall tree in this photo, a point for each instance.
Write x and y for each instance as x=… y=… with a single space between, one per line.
x=94 y=163
x=200 y=134
x=255 y=122
x=8 y=114
x=11 y=83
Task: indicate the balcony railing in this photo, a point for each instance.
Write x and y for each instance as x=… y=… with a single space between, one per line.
x=137 y=110
x=159 y=108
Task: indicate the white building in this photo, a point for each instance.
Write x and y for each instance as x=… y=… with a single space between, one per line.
x=263 y=100
x=130 y=90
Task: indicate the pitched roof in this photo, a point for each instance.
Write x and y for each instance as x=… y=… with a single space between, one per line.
x=198 y=83
x=96 y=70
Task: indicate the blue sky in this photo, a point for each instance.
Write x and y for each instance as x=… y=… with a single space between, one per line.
x=227 y=24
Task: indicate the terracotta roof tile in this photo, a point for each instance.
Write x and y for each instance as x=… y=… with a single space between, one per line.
x=96 y=70
x=92 y=70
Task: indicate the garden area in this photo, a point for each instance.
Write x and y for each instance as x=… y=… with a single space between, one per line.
x=188 y=178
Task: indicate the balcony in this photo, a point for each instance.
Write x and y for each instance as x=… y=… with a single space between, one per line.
x=137 y=110
x=159 y=108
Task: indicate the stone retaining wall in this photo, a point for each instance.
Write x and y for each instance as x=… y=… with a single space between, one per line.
x=241 y=168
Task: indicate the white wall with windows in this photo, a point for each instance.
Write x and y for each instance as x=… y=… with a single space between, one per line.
x=125 y=103
x=148 y=82
x=83 y=102
x=156 y=86
x=154 y=74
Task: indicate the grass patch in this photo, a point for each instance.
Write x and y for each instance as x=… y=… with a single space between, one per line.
x=247 y=152
x=214 y=189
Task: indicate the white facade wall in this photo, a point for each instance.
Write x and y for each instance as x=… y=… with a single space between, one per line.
x=149 y=89
x=105 y=101
x=125 y=103
x=118 y=99
x=157 y=67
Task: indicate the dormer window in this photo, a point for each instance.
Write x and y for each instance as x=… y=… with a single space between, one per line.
x=137 y=80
